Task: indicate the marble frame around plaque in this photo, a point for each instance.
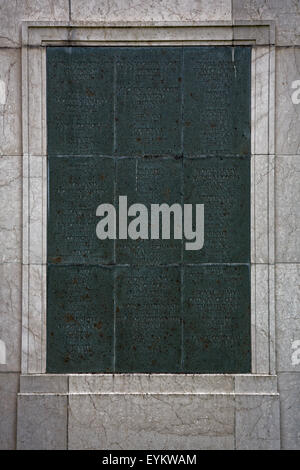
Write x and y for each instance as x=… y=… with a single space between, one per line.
x=35 y=37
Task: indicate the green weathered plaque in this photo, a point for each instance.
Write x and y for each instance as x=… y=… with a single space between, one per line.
x=217 y=101
x=149 y=181
x=80 y=100
x=216 y=319
x=76 y=187
x=148 y=101
x=80 y=326
x=156 y=125
x=148 y=319
x=222 y=184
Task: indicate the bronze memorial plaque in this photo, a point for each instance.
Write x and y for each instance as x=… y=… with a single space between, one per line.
x=148 y=261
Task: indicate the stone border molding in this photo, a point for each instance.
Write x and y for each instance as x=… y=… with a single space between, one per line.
x=36 y=36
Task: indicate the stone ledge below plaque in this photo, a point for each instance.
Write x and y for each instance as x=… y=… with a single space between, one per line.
x=148 y=384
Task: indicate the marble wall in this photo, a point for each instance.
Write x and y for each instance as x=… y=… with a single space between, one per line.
x=184 y=415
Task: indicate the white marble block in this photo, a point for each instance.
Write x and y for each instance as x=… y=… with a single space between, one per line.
x=10 y=209
x=151 y=421
x=288 y=100
x=10 y=315
x=287 y=317
x=13 y=13
x=285 y=13
x=10 y=100
x=289 y=388
x=9 y=384
x=257 y=422
x=156 y=10
x=42 y=422
x=287 y=184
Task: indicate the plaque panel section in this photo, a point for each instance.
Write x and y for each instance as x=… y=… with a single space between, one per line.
x=77 y=185
x=217 y=101
x=216 y=331
x=148 y=319
x=148 y=101
x=80 y=100
x=222 y=184
x=150 y=181
x=80 y=320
